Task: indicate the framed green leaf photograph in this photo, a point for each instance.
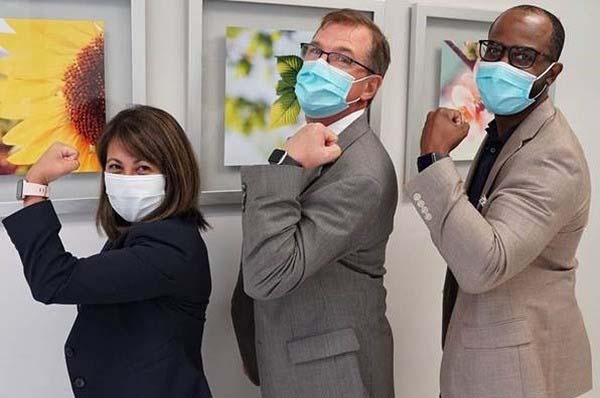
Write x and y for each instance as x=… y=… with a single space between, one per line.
x=261 y=110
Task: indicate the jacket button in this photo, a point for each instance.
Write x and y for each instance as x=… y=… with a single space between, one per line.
x=69 y=352
x=79 y=382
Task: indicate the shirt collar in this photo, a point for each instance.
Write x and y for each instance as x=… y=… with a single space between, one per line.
x=339 y=126
x=492 y=131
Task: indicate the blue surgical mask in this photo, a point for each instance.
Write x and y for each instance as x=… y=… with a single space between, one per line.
x=505 y=89
x=322 y=89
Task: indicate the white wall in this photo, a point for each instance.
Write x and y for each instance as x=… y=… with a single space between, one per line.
x=31 y=335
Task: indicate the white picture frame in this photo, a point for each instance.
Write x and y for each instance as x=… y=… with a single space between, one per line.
x=199 y=71
x=420 y=60
x=65 y=202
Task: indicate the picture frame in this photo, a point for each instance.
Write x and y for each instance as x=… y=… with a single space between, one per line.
x=206 y=74
x=78 y=193
x=429 y=26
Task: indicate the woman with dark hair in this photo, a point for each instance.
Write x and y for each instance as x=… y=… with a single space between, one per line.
x=142 y=300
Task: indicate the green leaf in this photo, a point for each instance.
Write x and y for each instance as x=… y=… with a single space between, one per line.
x=244 y=116
x=265 y=44
x=284 y=111
x=243 y=68
x=289 y=64
x=284 y=86
x=276 y=35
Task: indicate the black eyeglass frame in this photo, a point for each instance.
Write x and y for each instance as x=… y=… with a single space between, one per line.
x=536 y=53
x=328 y=53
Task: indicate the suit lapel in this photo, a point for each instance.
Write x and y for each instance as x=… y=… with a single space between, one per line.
x=353 y=132
x=525 y=132
x=357 y=129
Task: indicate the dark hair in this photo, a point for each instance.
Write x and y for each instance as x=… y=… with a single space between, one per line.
x=380 y=48
x=153 y=135
x=557 y=38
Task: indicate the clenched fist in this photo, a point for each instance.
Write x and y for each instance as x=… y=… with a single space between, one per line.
x=313 y=145
x=443 y=131
x=58 y=160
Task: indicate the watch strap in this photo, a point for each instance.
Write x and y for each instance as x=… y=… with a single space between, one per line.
x=428 y=159
x=279 y=156
x=33 y=189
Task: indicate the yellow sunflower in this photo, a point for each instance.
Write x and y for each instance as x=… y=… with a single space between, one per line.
x=53 y=84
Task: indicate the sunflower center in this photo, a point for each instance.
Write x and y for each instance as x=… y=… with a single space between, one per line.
x=84 y=91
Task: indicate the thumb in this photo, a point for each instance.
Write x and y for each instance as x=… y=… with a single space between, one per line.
x=75 y=164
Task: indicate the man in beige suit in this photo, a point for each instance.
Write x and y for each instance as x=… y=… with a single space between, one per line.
x=512 y=325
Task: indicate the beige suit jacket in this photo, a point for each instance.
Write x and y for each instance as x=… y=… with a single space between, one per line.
x=516 y=330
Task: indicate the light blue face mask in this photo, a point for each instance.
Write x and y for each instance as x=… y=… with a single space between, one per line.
x=504 y=89
x=322 y=89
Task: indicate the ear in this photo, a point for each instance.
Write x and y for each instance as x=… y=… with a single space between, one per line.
x=553 y=73
x=372 y=85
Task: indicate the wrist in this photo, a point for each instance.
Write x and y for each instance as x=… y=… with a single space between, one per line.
x=426 y=160
x=293 y=157
x=31 y=200
x=36 y=178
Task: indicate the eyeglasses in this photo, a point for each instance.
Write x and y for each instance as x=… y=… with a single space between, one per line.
x=520 y=57
x=310 y=52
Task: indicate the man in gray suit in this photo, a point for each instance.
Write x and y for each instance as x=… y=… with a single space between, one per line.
x=512 y=326
x=316 y=223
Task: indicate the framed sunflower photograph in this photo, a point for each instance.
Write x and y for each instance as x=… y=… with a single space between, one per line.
x=51 y=89
x=65 y=69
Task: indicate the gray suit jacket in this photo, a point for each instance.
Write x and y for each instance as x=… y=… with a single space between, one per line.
x=312 y=260
x=516 y=330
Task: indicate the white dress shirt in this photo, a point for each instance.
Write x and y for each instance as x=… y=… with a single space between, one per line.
x=345 y=122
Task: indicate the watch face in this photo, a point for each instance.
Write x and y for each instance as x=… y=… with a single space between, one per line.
x=276 y=156
x=20 y=190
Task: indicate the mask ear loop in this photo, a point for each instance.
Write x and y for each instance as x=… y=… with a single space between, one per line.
x=358 y=81
x=538 y=78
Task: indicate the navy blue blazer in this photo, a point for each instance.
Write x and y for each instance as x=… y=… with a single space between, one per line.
x=141 y=304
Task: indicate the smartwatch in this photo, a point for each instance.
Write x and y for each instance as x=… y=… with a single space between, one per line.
x=428 y=159
x=25 y=188
x=279 y=156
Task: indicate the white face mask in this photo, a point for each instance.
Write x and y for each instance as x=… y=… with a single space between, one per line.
x=133 y=197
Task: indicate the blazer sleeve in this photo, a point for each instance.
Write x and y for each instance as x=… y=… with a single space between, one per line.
x=527 y=210
x=148 y=268
x=286 y=240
